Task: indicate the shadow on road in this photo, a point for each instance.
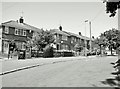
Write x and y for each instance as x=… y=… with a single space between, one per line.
x=114 y=82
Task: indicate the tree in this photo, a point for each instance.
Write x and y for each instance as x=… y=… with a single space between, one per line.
x=40 y=40
x=112 y=37
x=112 y=6
x=100 y=42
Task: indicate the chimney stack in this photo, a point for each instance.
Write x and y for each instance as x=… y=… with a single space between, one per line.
x=21 y=20
x=80 y=33
x=60 y=28
x=93 y=37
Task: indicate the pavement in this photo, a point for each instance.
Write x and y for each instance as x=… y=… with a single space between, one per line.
x=13 y=65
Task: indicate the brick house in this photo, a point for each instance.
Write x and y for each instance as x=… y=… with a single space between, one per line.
x=18 y=31
x=62 y=39
x=67 y=40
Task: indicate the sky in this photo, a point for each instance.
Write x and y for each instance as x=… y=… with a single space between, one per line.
x=70 y=15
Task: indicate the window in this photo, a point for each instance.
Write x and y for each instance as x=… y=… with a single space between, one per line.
x=20 y=32
x=19 y=45
x=5 y=44
x=75 y=39
x=65 y=47
x=55 y=36
x=23 y=45
x=16 y=31
x=64 y=37
x=72 y=39
x=24 y=32
x=6 y=30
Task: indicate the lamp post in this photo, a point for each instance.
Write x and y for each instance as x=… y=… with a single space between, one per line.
x=85 y=39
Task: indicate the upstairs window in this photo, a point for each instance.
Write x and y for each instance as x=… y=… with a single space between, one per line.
x=19 y=32
x=24 y=32
x=16 y=31
x=64 y=37
x=6 y=30
x=75 y=39
x=72 y=40
x=55 y=36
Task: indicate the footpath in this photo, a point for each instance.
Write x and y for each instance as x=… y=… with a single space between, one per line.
x=13 y=65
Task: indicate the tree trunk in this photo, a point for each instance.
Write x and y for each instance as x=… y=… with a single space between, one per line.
x=111 y=50
x=119 y=30
x=100 y=50
x=119 y=53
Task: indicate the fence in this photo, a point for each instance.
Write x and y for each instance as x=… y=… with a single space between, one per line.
x=36 y=53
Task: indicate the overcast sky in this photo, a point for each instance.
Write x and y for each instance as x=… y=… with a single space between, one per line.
x=71 y=15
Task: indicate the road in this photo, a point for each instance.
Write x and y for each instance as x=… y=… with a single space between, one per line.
x=90 y=72
x=12 y=64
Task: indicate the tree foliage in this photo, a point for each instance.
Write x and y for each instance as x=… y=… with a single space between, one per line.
x=100 y=42
x=40 y=40
x=112 y=6
x=110 y=39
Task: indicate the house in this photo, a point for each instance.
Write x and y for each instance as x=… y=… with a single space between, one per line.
x=62 y=39
x=18 y=31
x=67 y=40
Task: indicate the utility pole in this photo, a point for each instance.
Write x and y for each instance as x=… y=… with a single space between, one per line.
x=90 y=37
x=90 y=34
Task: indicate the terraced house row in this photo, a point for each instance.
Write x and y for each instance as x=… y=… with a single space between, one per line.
x=20 y=32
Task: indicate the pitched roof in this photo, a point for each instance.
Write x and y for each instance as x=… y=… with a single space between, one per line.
x=18 y=25
x=78 y=36
x=54 y=31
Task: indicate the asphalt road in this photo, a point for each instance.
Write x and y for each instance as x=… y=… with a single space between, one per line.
x=90 y=72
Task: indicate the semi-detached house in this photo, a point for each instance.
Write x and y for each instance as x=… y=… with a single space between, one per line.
x=67 y=40
x=18 y=31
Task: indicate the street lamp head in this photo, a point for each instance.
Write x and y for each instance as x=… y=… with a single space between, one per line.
x=86 y=20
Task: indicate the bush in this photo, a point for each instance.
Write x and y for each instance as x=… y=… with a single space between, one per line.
x=48 y=52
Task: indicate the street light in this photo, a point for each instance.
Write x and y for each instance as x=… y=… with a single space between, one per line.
x=85 y=39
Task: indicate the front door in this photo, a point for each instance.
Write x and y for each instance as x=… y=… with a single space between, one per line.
x=5 y=47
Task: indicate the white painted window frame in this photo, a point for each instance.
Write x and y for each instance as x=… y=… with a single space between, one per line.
x=24 y=32
x=6 y=30
x=17 y=31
